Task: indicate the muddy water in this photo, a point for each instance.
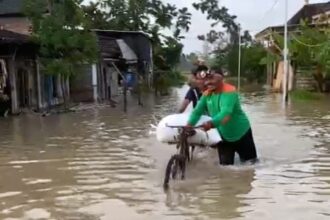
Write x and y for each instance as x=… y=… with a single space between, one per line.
x=101 y=164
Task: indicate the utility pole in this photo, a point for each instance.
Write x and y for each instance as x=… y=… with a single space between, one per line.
x=239 y=59
x=285 y=56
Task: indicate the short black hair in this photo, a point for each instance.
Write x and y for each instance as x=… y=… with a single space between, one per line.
x=199 y=68
x=202 y=68
x=217 y=71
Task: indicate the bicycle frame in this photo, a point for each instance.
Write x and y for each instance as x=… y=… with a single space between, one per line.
x=178 y=161
x=184 y=134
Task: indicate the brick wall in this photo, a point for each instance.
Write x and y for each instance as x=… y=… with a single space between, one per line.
x=16 y=24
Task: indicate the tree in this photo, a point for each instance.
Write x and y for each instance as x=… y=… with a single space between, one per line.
x=218 y=15
x=310 y=47
x=192 y=57
x=149 y=16
x=252 y=67
x=96 y=16
x=61 y=30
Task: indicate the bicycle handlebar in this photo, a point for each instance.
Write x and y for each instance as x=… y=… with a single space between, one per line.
x=182 y=126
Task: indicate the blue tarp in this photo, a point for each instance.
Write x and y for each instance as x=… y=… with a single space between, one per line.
x=130 y=79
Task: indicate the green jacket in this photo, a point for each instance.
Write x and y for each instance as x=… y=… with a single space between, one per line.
x=220 y=105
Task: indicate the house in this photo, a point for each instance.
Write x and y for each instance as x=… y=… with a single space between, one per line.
x=29 y=87
x=19 y=62
x=119 y=50
x=32 y=88
x=12 y=18
x=314 y=14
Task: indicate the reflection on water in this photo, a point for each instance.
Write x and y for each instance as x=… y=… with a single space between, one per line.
x=102 y=164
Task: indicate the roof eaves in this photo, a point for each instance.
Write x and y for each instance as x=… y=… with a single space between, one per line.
x=123 y=32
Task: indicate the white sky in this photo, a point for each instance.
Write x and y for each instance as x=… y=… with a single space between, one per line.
x=253 y=15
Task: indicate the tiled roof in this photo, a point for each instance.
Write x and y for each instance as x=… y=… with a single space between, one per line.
x=308 y=11
x=12 y=37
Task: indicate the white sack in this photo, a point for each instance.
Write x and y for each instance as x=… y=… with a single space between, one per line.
x=170 y=135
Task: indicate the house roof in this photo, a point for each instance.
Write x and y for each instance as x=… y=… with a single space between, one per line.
x=280 y=29
x=308 y=11
x=12 y=37
x=11 y=7
x=139 y=42
x=118 y=34
x=108 y=47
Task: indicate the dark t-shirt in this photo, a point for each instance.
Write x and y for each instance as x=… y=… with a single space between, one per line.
x=193 y=95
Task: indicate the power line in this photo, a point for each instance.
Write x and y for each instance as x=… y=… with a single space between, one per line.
x=269 y=10
x=306 y=44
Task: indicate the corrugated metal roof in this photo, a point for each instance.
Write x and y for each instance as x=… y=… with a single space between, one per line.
x=108 y=47
x=119 y=32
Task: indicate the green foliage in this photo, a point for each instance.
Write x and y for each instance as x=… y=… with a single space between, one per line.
x=218 y=15
x=171 y=53
x=226 y=54
x=165 y=80
x=176 y=78
x=192 y=57
x=62 y=34
x=149 y=16
x=253 y=60
x=251 y=67
x=309 y=47
x=269 y=58
x=96 y=16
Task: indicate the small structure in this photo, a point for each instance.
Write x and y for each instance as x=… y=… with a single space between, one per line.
x=18 y=60
x=12 y=17
x=29 y=88
x=315 y=15
x=118 y=51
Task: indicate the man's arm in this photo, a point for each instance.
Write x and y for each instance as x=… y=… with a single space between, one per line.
x=198 y=111
x=184 y=105
x=227 y=106
x=187 y=99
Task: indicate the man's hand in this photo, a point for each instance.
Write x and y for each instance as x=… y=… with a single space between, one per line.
x=207 y=126
x=188 y=127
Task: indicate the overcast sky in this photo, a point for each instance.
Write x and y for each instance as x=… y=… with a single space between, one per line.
x=253 y=15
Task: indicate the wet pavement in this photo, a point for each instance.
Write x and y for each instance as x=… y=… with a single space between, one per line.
x=99 y=163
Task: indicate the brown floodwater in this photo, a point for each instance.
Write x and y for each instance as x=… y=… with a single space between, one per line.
x=99 y=163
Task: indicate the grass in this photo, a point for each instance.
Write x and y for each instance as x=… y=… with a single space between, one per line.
x=304 y=95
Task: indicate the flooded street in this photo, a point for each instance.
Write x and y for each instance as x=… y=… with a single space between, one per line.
x=100 y=164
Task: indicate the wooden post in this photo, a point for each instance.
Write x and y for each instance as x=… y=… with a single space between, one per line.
x=38 y=84
x=125 y=95
x=12 y=78
x=94 y=82
x=139 y=84
x=124 y=87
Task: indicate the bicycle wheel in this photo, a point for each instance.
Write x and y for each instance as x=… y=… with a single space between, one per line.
x=175 y=164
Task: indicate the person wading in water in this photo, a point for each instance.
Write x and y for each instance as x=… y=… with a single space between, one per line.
x=221 y=101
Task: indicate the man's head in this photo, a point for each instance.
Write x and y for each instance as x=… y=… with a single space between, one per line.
x=212 y=79
x=194 y=80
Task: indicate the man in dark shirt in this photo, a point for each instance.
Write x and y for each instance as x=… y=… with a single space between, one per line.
x=195 y=91
x=193 y=96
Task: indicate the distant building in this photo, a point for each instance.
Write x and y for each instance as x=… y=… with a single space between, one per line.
x=119 y=50
x=314 y=14
x=31 y=88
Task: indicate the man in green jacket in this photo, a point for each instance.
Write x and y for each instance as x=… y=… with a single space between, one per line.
x=221 y=101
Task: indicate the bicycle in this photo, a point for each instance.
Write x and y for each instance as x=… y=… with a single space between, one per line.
x=178 y=161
